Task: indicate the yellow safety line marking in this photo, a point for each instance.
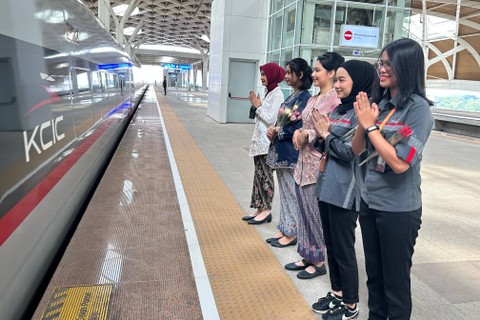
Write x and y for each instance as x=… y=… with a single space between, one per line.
x=79 y=303
x=246 y=279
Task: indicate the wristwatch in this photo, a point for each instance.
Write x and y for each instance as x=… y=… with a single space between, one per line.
x=371 y=128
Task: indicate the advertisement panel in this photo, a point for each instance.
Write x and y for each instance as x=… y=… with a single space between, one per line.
x=359 y=36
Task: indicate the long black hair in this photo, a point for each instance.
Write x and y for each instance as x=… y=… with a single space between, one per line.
x=301 y=67
x=408 y=64
x=331 y=60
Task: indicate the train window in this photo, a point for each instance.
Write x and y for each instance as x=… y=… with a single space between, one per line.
x=83 y=80
x=57 y=72
x=96 y=82
x=103 y=79
x=111 y=80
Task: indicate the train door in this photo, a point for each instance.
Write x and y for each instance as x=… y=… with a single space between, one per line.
x=81 y=99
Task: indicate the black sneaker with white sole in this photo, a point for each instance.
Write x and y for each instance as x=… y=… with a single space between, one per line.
x=341 y=312
x=326 y=303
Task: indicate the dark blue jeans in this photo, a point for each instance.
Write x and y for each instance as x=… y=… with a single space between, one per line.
x=388 y=241
x=339 y=232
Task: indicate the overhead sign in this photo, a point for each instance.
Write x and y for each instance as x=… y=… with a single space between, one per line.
x=114 y=66
x=359 y=36
x=177 y=66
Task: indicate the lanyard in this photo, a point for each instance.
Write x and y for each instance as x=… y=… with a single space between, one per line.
x=389 y=115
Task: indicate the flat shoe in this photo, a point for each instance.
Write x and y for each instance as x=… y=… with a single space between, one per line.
x=294 y=267
x=247 y=217
x=279 y=245
x=304 y=274
x=270 y=240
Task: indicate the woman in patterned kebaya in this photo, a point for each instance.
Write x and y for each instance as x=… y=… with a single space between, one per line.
x=283 y=156
x=311 y=245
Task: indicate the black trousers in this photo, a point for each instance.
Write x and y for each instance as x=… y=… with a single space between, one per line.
x=388 y=241
x=339 y=232
x=165 y=90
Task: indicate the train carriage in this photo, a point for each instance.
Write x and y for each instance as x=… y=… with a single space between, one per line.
x=66 y=96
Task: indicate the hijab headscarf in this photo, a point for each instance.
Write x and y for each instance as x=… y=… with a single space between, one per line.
x=362 y=74
x=275 y=74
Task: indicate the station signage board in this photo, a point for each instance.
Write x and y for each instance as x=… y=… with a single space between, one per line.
x=177 y=66
x=359 y=36
x=114 y=66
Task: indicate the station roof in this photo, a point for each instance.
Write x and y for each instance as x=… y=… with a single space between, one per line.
x=453 y=50
x=453 y=53
x=178 y=23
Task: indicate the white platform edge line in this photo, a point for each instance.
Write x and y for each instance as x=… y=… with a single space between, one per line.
x=204 y=290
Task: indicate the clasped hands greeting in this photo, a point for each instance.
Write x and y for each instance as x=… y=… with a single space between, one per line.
x=321 y=124
x=366 y=113
x=255 y=99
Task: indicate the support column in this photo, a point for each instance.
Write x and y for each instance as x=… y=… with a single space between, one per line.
x=238 y=31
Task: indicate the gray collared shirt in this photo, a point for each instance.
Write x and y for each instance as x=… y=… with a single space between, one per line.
x=337 y=185
x=388 y=191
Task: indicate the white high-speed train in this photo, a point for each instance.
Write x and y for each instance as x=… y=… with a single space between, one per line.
x=66 y=97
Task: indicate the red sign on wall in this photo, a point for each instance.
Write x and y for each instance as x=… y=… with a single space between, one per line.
x=348 y=35
x=359 y=36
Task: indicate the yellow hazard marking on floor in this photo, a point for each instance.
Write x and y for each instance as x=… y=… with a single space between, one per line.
x=247 y=280
x=79 y=303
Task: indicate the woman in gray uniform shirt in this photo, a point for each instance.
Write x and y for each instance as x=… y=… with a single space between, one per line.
x=391 y=208
x=338 y=194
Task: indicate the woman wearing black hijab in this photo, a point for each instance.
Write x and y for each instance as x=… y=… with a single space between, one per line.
x=339 y=193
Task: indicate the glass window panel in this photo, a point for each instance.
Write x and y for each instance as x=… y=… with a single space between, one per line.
x=323 y=19
x=369 y=1
x=274 y=57
x=276 y=5
x=340 y=16
x=275 y=31
x=289 y=27
x=400 y=3
x=112 y=82
x=287 y=2
x=58 y=70
x=103 y=79
x=398 y=22
x=316 y=23
x=285 y=57
x=359 y=16
x=96 y=84
x=83 y=81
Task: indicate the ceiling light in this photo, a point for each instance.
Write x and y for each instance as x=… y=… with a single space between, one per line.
x=129 y=31
x=121 y=9
x=173 y=49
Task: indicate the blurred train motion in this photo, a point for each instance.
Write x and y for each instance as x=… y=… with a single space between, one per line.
x=66 y=96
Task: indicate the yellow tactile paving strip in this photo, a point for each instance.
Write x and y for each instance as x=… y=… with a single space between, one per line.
x=246 y=279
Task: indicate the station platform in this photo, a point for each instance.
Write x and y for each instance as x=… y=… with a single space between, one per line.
x=163 y=237
x=459 y=122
